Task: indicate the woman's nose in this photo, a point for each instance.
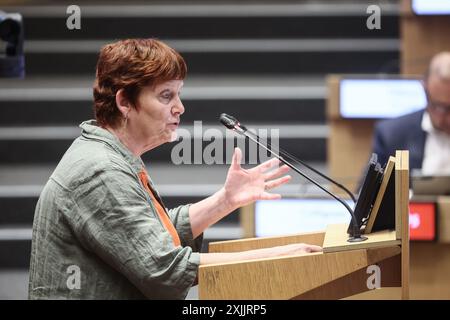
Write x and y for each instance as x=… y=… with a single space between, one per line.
x=178 y=107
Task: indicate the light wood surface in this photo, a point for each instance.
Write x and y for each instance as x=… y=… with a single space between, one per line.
x=247 y=219
x=398 y=192
x=356 y=282
x=333 y=81
x=283 y=277
x=402 y=193
x=315 y=238
x=336 y=239
x=430 y=271
x=402 y=207
x=443 y=207
x=391 y=293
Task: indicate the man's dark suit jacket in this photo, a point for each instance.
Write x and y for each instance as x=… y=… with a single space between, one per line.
x=403 y=133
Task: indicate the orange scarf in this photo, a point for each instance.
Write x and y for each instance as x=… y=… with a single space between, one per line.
x=160 y=209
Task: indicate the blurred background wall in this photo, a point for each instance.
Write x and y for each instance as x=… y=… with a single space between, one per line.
x=265 y=62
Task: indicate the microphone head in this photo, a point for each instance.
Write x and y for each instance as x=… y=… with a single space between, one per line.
x=228 y=121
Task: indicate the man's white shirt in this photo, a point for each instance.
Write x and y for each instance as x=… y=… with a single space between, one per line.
x=436 y=158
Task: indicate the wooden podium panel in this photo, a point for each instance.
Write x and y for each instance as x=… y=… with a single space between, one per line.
x=342 y=270
x=315 y=238
x=290 y=277
x=336 y=239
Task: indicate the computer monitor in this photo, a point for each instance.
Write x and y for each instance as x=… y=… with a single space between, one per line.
x=364 y=98
x=297 y=215
x=431 y=7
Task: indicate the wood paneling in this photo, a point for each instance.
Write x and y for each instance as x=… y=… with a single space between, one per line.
x=285 y=277
x=266 y=242
x=336 y=239
x=430 y=266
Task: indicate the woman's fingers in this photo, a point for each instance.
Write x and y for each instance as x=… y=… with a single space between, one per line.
x=236 y=160
x=277 y=182
x=268 y=164
x=313 y=248
x=277 y=172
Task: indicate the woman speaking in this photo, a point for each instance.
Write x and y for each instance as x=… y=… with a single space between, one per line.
x=101 y=230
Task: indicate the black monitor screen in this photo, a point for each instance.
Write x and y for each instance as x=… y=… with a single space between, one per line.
x=368 y=192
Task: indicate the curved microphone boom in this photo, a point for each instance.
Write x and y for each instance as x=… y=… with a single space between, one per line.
x=292 y=158
x=233 y=124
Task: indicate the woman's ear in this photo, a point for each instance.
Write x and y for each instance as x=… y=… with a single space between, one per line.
x=122 y=103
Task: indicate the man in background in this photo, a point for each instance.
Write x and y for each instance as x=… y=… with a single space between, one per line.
x=425 y=133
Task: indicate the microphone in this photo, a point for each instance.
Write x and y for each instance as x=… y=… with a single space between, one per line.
x=233 y=124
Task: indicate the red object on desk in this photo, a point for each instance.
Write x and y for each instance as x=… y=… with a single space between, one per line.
x=422 y=221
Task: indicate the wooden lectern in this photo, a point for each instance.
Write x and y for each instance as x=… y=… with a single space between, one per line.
x=377 y=268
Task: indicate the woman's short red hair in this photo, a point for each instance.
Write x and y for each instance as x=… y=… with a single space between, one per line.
x=130 y=65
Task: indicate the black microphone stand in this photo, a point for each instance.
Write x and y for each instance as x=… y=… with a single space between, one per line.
x=233 y=124
x=230 y=122
x=292 y=158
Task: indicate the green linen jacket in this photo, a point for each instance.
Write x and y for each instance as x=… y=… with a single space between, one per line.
x=97 y=235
